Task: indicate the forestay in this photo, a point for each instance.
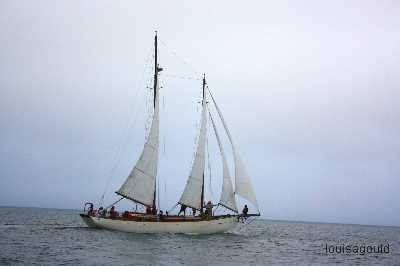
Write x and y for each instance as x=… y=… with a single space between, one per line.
x=227 y=196
x=140 y=184
x=243 y=185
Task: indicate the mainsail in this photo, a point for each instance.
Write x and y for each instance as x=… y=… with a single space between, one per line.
x=243 y=185
x=227 y=195
x=140 y=186
x=192 y=196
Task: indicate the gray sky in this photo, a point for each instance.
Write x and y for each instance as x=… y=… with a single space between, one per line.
x=310 y=91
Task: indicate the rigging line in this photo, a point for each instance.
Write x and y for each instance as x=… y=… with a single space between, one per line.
x=129 y=125
x=158 y=193
x=223 y=121
x=163 y=112
x=149 y=111
x=163 y=103
x=117 y=160
x=164 y=145
x=181 y=77
x=115 y=202
x=179 y=58
x=165 y=191
x=235 y=154
x=173 y=207
x=216 y=209
x=209 y=166
x=197 y=137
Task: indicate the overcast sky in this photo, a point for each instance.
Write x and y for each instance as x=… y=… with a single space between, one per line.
x=310 y=91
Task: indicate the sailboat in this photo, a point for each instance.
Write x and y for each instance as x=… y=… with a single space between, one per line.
x=140 y=186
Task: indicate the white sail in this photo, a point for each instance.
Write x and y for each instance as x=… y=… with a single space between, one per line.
x=140 y=184
x=191 y=196
x=227 y=195
x=243 y=185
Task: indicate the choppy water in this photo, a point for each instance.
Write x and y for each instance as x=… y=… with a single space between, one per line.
x=58 y=237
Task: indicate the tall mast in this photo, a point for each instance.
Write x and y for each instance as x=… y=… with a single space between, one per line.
x=203 y=103
x=141 y=184
x=154 y=103
x=155 y=70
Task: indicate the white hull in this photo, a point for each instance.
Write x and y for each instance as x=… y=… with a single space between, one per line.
x=187 y=227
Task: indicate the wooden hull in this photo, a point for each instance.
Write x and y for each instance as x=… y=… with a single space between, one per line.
x=199 y=226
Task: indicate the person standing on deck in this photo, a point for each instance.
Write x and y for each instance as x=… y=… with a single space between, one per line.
x=148 y=210
x=113 y=212
x=183 y=209
x=99 y=212
x=245 y=210
x=244 y=213
x=209 y=207
x=90 y=209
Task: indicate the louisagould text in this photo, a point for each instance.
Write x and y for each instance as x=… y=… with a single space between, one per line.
x=357 y=249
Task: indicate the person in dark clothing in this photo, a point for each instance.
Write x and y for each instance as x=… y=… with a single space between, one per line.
x=113 y=212
x=90 y=209
x=183 y=209
x=245 y=210
x=209 y=206
x=148 y=210
x=194 y=211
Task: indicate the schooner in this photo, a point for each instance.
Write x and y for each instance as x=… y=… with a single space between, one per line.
x=140 y=185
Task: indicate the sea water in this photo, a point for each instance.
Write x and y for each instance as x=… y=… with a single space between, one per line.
x=33 y=236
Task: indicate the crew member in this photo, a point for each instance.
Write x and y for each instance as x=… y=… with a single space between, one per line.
x=113 y=212
x=209 y=207
x=100 y=212
x=245 y=210
x=183 y=209
x=148 y=210
x=90 y=209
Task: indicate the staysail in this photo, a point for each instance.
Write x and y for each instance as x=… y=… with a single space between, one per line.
x=227 y=195
x=243 y=185
x=140 y=186
x=192 y=196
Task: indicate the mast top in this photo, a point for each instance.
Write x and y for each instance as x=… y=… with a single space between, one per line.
x=155 y=70
x=204 y=86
